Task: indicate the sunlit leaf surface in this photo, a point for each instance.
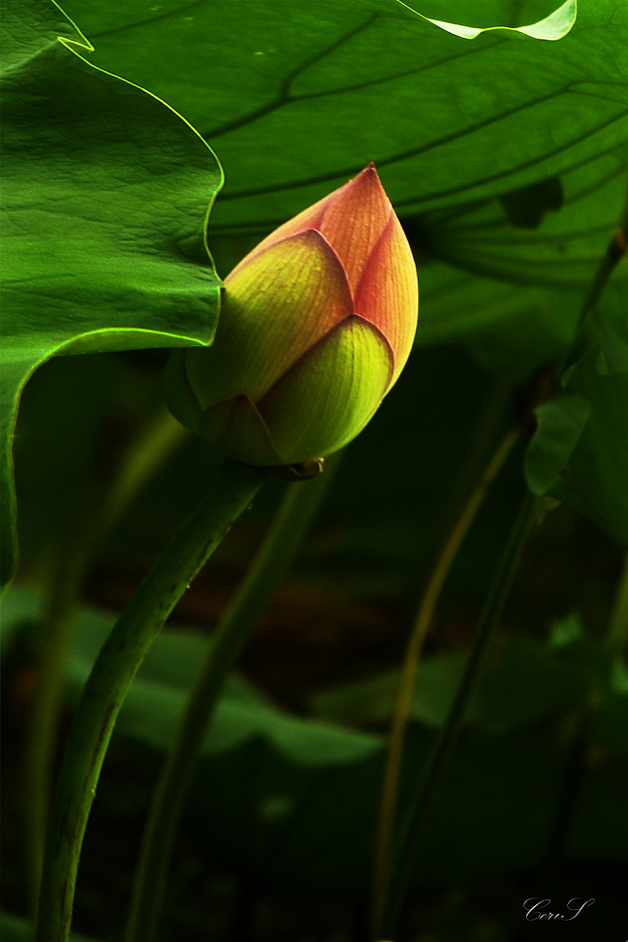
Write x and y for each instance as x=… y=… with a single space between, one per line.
x=106 y=191
x=296 y=96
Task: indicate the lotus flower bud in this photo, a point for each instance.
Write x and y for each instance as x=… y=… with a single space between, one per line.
x=316 y=324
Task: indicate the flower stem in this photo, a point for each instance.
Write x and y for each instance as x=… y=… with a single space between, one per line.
x=404 y=853
x=109 y=681
x=275 y=555
x=70 y=559
x=408 y=673
x=615 y=252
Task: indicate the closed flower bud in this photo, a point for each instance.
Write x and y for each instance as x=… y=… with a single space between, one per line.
x=316 y=324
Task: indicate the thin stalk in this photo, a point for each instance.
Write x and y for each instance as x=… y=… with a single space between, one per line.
x=71 y=558
x=615 y=251
x=56 y=629
x=574 y=768
x=268 y=569
x=109 y=681
x=406 y=847
x=577 y=734
x=408 y=673
x=617 y=634
x=148 y=452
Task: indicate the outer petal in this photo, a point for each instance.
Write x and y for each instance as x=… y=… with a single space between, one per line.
x=178 y=393
x=329 y=396
x=274 y=309
x=351 y=219
x=239 y=430
x=388 y=292
x=310 y=218
x=354 y=218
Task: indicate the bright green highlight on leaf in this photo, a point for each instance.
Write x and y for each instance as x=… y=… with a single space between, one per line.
x=106 y=197
x=552 y=27
x=294 y=104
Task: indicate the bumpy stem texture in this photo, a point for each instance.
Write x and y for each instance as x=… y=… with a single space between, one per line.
x=275 y=555
x=109 y=681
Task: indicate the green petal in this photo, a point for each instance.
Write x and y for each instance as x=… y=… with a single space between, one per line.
x=239 y=430
x=274 y=309
x=177 y=392
x=330 y=395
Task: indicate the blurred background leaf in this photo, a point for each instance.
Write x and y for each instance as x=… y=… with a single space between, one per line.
x=563 y=245
x=520 y=684
x=294 y=799
x=580 y=452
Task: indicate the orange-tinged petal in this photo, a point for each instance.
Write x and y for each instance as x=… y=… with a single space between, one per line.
x=274 y=309
x=388 y=293
x=310 y=218
x=330 y=394
x=351 y=219
x=316 y=325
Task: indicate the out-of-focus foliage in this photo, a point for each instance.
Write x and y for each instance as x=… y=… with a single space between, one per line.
x=582 y=442
x=301 y=786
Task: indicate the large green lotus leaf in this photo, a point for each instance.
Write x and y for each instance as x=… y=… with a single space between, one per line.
x=511 y=329
x=105 y=200
x=298 y=95
x=552 y=233
x=580 y=450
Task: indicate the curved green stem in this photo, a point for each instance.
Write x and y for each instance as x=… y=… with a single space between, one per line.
x=71 y=557
x=111 y=676
x=405 y=851
x=275 y=555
